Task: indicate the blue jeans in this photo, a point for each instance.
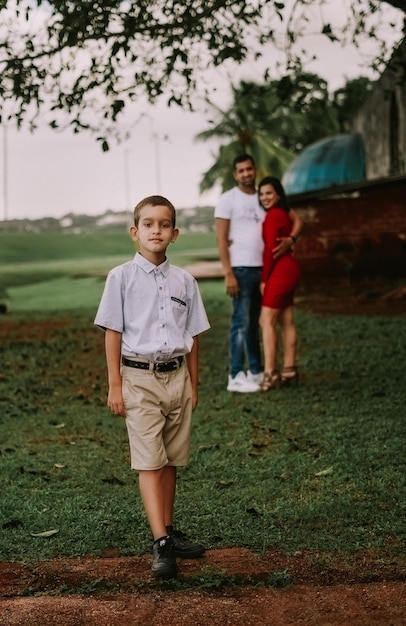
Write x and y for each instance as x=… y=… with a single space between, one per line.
x=244 y=329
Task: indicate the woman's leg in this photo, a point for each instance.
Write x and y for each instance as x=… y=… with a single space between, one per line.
x=268 y=320
x=289 y=337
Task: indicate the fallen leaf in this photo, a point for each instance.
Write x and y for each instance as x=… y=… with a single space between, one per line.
x=203 y=448
x=46 y=533
x=225 y=483
x=325 y=472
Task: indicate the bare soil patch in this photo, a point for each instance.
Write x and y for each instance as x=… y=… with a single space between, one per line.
x=367 y=588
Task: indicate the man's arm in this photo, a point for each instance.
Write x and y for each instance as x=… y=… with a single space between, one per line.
x=113 y=356
x=192 y=360
x=286 y=243
x=223 y=244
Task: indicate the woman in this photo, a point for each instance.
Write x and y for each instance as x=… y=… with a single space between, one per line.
x=279 y=280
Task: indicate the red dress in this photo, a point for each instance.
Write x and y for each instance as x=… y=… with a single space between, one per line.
x=281 y=276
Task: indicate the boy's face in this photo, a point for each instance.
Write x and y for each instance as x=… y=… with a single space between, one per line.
x=154 y=232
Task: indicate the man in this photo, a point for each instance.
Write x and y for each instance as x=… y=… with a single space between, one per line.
x=239 y=218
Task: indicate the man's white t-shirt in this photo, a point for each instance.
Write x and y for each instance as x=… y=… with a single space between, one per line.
x=246 y=216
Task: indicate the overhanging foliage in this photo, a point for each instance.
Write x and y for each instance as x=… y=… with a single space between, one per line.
x=83 y=62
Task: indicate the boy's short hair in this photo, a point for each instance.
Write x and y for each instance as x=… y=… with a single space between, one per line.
x=241 y=158
x=154 y=201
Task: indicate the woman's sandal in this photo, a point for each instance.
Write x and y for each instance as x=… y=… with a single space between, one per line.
x=271 y=380
x=290 y=376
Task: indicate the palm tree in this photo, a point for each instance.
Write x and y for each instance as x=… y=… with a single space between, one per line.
x=272 y=122
x=251 y=126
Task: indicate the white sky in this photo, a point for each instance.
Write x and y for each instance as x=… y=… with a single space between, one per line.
x=52 y=174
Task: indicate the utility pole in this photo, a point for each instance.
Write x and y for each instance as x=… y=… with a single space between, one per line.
x=156 y=140
x=5 y=172
x=127 y=178
x=127 y=164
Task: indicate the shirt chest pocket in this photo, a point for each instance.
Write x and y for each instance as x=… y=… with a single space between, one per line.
x=179 y=308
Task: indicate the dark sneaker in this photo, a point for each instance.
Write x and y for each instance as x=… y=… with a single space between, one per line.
x=163 y=558
x=184 y=548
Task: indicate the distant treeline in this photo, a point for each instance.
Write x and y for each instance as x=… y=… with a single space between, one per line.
x=197 y=219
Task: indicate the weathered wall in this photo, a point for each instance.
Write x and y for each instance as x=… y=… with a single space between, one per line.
x=382 y=121
x=353 y=231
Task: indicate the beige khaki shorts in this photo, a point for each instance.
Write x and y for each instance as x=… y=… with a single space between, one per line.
x=158 y=415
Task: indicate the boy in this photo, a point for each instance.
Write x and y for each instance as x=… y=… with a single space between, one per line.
x=152 y=313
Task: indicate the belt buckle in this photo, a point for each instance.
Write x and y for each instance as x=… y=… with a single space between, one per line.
x=169 y=366
x=159 y=367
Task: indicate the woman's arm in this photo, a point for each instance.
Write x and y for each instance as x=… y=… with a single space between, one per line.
x=284 y=244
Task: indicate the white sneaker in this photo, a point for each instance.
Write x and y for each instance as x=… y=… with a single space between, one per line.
x=255 y=378
x=241 y=384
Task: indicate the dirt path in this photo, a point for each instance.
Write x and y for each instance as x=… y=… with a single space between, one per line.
x=357 y=605
x=364 y=589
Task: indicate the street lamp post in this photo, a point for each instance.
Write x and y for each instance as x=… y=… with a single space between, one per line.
x=156 y=139
x=127 y=178
x=5 y=172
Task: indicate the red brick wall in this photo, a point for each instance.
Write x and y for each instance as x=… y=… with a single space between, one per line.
x=354 y=232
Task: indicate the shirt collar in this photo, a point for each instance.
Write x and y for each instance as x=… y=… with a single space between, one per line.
x=149 y=267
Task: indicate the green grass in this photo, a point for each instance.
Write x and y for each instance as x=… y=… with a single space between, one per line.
x=32 y=248
x=42 y=271
x=35 y=247
x=56 y=294
x=318 y=467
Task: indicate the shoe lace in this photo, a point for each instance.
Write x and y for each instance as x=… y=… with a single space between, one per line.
x=165 y=548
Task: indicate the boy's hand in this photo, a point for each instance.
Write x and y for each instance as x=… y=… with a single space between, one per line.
x=115 y=401
x=194 y=399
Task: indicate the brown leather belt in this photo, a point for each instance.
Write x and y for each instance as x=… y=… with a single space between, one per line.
x=168 y=366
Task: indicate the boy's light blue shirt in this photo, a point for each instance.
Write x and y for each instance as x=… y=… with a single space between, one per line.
x=158 y=309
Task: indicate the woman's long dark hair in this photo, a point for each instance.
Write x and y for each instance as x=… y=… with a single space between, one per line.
x=277 y=185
